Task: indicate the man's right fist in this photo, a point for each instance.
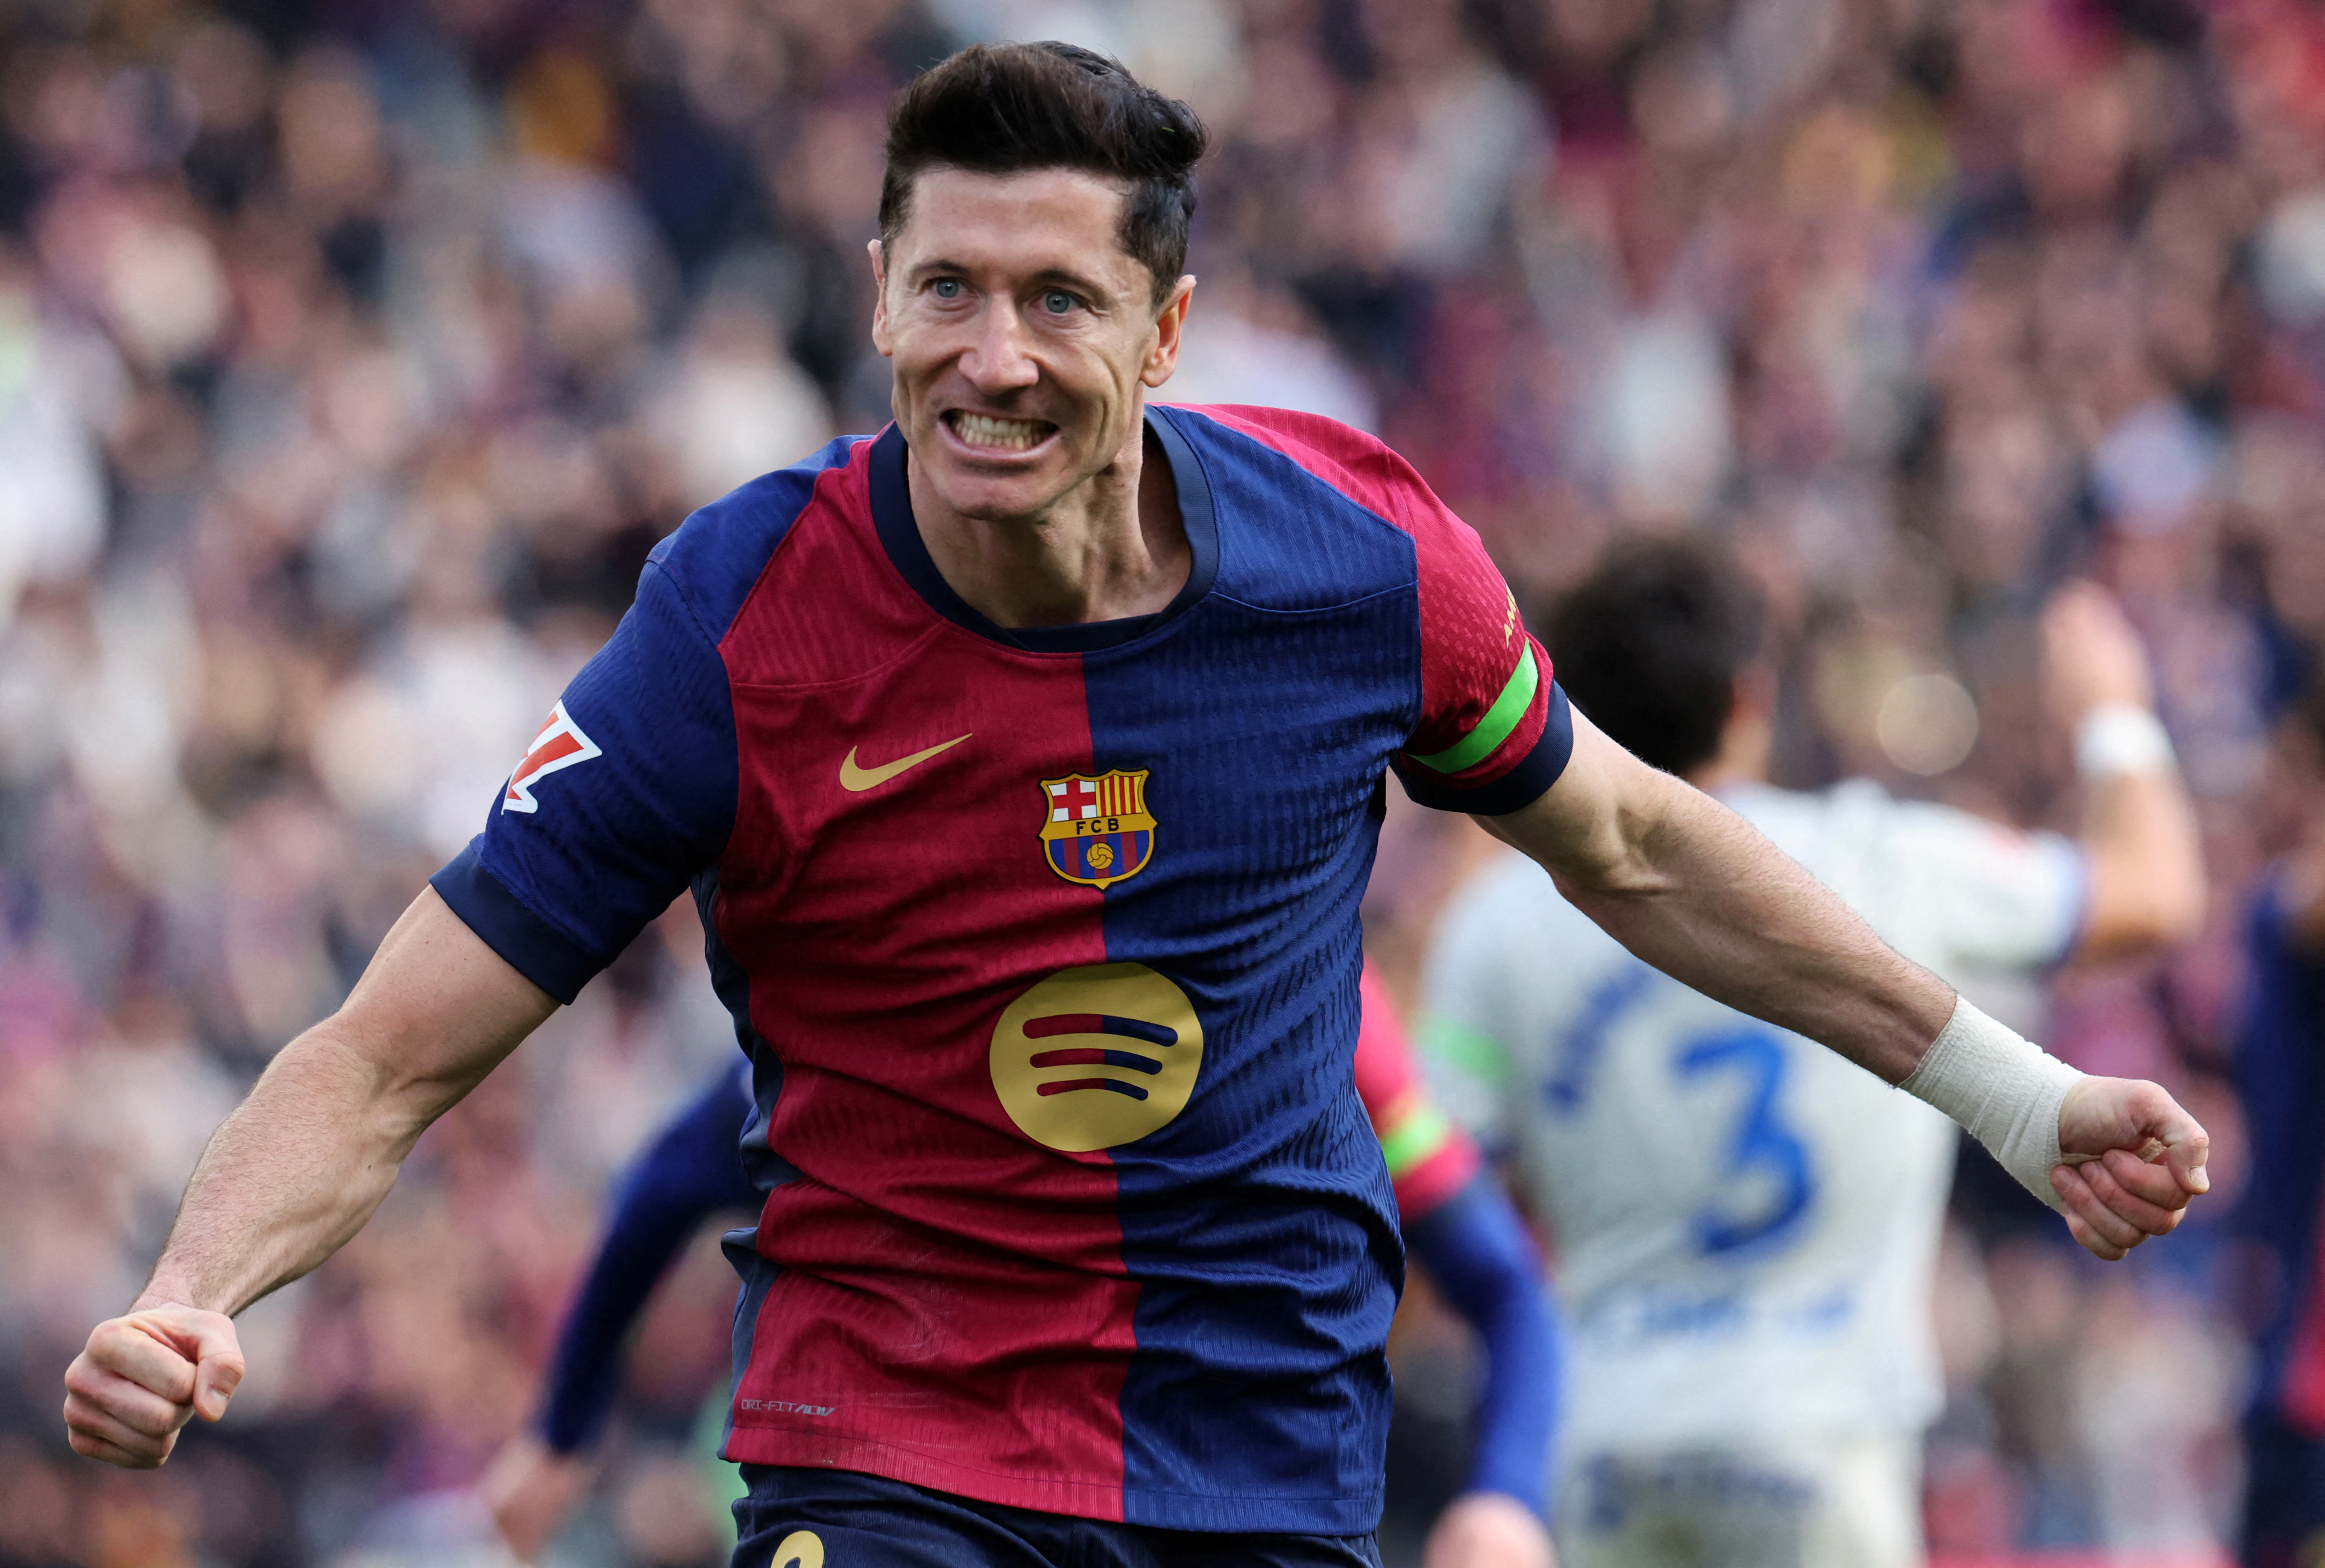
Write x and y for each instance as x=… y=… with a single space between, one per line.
x=143 y=1376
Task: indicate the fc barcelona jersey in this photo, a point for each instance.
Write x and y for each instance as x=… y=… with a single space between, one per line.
x=1043 y=945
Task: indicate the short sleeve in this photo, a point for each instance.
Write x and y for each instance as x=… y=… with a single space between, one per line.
x=1996 y=899
x=1429 y=1159
x=1495 y=730
x=627 y=793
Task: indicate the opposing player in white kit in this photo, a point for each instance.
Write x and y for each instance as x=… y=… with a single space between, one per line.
x=1746 y=1224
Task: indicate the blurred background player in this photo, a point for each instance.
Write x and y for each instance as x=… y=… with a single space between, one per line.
x=1746 y=1227
x=1457 y=1223
x=2281 y=1078
x=691 y=1171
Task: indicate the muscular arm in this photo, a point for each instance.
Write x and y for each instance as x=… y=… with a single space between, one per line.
x=295 y=1172
x=2143 y=855
x=1691 y=888
x=2146 y=871
x=1694 y=889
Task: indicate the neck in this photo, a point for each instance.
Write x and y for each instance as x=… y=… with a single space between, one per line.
x=1112 y=547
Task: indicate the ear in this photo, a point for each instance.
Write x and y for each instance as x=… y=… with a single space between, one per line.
x=1169 y=327
x=881 y=338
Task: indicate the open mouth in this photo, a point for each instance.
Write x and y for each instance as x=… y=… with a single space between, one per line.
x=988 y=433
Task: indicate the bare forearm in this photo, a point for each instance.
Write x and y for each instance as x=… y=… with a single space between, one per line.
x=295 y=1172
x=287 y=1179
x=1708 y=901
x=2147 y=863
x=299 y=1167
x=1694 y=889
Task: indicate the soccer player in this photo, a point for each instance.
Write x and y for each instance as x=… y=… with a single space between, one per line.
x=692 y=1169
x=1026 y=760
x=1746 y=1224
x=2281 y=1079
x=1455 y=1218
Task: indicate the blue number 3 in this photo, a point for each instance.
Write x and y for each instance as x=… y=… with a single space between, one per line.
x=1762 y=1143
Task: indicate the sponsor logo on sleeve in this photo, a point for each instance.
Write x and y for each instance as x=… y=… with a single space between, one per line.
x=559 y=745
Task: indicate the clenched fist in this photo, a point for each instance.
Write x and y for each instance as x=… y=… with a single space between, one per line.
x=2135 y=1160
x=144 y=1375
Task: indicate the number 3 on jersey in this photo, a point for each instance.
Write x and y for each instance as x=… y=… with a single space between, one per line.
x=1771 y=1184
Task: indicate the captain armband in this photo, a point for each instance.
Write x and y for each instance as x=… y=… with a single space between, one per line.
x=2005 y=1089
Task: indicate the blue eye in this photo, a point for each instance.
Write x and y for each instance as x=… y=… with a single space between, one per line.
x=946 y=288
x=1057 y=301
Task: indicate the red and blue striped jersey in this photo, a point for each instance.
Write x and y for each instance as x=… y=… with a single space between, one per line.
x=1043 y=944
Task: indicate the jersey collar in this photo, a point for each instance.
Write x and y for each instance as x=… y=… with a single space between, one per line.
x=900 y=535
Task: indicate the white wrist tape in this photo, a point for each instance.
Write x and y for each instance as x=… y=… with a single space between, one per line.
x=2119 y=739
x=2002 y=1086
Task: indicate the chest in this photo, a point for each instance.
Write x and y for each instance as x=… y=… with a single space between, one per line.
x=1182 y=790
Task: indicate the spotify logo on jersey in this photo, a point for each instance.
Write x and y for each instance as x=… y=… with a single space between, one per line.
x=1097 y=1056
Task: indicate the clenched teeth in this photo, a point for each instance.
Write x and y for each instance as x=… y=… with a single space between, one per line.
x=1005 y=435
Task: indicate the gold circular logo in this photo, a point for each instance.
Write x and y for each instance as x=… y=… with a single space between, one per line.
x=1097 y=1056
x=799 y=1549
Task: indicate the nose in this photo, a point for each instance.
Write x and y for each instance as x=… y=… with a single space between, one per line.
x=1000 y=356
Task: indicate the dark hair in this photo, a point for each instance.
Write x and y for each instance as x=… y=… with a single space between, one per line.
x=1650 y=645
x=1002 y=108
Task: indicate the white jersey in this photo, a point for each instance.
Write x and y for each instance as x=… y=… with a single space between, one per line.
x=1745 y=1222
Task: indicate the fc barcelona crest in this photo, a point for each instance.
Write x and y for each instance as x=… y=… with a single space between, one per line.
x=1095 y=831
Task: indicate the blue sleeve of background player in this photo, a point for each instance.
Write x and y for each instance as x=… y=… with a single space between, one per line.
x=1484 y=1263
x=690 y=1170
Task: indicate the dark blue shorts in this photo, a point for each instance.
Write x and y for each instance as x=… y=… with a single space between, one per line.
x=799 y=1517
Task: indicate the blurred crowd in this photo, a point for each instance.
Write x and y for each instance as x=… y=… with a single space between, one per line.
x=353 y=354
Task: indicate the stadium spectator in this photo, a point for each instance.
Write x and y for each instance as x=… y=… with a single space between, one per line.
x=294 y=456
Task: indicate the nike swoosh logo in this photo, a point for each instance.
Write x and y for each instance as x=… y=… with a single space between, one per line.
x=856 y=780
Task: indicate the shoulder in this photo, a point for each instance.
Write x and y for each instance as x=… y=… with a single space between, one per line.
x=716 y=554
x=1360 y=466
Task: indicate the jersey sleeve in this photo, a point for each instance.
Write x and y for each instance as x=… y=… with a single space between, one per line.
x=1996 y=899
x=1495 y=730
x=1477 y=1250
x=625 y=796
x=1428 y=1158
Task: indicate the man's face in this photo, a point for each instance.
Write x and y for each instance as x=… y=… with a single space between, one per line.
x=1021 y=333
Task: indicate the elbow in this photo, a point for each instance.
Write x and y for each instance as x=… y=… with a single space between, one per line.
x=381 y=1098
